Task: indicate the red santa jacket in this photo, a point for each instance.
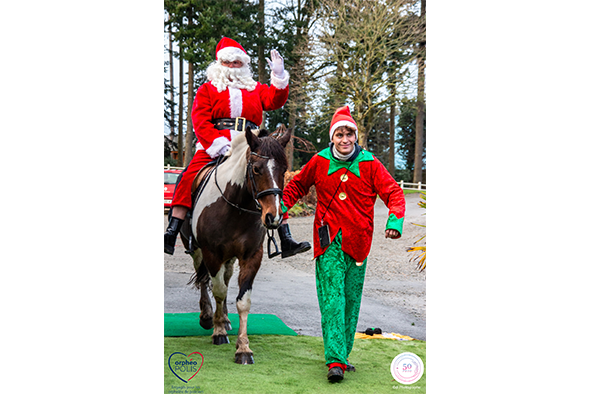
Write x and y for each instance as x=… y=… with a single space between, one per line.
x=352 y=209
x=211 y=104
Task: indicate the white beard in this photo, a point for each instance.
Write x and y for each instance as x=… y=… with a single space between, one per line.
x=221 y=77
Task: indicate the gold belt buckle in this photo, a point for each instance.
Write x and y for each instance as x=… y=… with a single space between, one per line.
x=236 y=126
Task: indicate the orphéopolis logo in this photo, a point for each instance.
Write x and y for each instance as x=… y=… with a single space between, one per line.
x=407 y=368
x=185 y=367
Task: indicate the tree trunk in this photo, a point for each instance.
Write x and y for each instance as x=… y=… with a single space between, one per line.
x=189 y=105
x=189 y=120
x=261 y=49
x=289 y=148
x=418 y=163
x=180 y=108
x=392 y=139
x=339 y=97
x=170 y=52
x=361 y=135
x=362 y=124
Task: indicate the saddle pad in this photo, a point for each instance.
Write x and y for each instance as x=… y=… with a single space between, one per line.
x=187 y=325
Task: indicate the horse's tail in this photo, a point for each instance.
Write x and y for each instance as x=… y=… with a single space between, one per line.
x=200 y=277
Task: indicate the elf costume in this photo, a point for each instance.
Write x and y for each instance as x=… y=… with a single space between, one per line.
x=350 y=189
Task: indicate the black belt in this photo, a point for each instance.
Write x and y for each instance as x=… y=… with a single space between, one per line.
x=238 y=124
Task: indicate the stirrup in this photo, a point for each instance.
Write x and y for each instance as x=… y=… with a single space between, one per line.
x=271 y=237
x=192 y=242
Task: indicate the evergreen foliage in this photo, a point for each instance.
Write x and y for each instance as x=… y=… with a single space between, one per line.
x=337 y=52
x=407 y=133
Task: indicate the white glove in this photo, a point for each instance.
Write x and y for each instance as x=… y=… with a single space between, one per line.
x=225 y=151
x=277 y=65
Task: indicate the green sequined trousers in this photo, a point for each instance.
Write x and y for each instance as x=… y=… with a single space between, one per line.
x=339 y=282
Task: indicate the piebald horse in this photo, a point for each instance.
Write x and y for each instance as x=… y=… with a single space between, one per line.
x=237 y=205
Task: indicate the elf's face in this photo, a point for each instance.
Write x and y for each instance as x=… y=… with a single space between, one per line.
x=344 y=139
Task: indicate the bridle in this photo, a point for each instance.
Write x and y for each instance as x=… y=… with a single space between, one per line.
x=254 y=188
x=255 y=196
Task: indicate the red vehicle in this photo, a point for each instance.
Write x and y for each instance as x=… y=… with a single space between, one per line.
x=170 y=176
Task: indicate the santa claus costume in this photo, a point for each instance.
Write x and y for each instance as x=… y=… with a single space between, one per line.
x=230 y=101
x=346 y=192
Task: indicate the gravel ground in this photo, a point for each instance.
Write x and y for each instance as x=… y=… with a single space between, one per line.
x=390 y=276
x=394 y=296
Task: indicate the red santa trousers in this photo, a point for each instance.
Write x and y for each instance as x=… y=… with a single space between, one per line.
x=182 y=193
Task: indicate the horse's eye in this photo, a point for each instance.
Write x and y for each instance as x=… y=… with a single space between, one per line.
x=256 y=170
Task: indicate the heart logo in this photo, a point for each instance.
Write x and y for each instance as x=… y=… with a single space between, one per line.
x=187 y=365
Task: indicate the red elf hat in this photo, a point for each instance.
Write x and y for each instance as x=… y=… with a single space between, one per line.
x=342 y=117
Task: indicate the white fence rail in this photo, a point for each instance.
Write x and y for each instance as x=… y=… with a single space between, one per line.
x=402 y=184
x=167 y=167
x=412 y=186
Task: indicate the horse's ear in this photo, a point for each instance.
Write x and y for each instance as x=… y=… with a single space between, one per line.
x=284 y=140
x=252 y=139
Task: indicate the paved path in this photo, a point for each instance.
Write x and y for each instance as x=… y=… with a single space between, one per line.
x=393 y=300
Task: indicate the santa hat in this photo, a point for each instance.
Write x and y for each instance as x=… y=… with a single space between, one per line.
x=231 y=50
x=342 y=117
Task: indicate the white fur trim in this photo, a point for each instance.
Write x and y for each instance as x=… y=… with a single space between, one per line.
x=232 y=53
x=235 y=102
x=215 y=148
x=280 y=83
x=199 y=146
x=343 y=123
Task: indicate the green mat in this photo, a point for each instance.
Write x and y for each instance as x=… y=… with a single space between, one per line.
x=187 y=325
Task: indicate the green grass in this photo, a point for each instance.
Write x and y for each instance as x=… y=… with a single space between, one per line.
x=289 y=364
x=406 y=191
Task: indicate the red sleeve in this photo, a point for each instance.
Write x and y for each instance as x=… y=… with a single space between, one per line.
x=273 y=98
x=209 y=137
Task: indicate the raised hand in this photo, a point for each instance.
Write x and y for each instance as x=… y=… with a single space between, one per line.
x=277 y=64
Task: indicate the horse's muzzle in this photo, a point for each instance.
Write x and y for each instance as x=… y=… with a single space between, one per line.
x=271 y=223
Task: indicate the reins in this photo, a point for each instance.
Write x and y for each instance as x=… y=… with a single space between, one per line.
x=254 y=188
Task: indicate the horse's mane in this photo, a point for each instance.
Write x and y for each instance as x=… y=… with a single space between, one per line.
x=234 y=167
x=270 y=147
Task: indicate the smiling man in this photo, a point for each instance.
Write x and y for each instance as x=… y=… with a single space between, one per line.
x=347 y=180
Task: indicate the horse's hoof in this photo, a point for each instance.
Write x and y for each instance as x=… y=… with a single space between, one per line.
x=220 y=339
x=227 y=326
x=207 y=324
x=244 y=358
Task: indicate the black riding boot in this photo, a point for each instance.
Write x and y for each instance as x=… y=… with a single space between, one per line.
x=289 y=246
x=171 y=234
